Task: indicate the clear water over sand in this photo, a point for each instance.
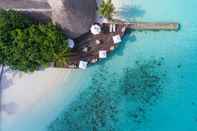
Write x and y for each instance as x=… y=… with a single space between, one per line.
x=148 y=84
x=157 y=90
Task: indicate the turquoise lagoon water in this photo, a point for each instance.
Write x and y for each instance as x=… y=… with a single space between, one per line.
x=148 y=84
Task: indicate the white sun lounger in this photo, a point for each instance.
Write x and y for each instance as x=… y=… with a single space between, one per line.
x=114 y=27
x=123 y=29
x=83 y=65
x=117 y=39
x=102 y=54
x=110 y=28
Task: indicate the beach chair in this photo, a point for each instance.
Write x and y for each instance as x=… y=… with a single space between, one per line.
x=114 y=28
x=83 y=65
x=117 y=39
x=123 y=29
x=102 y=54
x=110 y=28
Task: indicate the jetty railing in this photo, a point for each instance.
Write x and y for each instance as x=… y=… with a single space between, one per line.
x=149 y=25
x=153 y=26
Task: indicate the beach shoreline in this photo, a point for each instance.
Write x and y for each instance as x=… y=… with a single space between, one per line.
x=23 y=91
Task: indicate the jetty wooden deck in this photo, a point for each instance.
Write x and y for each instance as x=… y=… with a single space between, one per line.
x=152 y=26
x=106 y=40
x=149 y=25
x=89 y=41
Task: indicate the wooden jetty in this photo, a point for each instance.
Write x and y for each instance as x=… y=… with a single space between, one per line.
x=153 y=26
x=149 y=25
x=88 y=41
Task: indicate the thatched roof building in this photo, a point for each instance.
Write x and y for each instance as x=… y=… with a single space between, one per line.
x=73 y=16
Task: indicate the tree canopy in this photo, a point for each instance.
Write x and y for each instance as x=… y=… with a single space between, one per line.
x=107 y=9
x=26 y=46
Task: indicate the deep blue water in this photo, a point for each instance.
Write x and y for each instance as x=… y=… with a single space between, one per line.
x=148 y=84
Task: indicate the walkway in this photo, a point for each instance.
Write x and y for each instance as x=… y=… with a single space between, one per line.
x=153 y=26
x=1 y=75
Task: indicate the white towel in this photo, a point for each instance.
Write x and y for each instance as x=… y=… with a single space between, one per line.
x=114 y=28
x=110 y=28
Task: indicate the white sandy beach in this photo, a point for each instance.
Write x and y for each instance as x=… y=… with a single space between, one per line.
x=23 y=91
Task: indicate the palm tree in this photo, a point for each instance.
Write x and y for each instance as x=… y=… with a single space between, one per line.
x=107 y=9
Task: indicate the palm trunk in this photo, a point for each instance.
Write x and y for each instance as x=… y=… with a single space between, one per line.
x=1 y=75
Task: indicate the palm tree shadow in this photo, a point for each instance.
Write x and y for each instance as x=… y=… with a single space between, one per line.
x=9 y=108
x=7 y=78
x=131 y=12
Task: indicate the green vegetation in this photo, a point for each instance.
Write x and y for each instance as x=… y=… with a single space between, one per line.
x=107 y=9
x=26 y=46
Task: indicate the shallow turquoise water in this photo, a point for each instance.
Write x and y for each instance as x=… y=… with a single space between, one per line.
x=171 y=105
x=163 y=104
x=156 y=94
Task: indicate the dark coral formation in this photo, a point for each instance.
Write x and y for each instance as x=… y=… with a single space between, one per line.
x=143 y=84
x=95 y=109
x=108 y=102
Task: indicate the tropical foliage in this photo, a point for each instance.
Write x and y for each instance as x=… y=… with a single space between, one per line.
x=107 y=9
x=26 y=46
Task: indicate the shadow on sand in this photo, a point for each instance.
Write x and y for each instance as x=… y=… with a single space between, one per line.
x=5 y=82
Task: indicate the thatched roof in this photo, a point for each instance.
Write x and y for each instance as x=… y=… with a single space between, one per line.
x=38 y=9
x=75 y=17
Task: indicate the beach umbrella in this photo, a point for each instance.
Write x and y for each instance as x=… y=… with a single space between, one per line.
x=95 y=29
x=71 y=43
